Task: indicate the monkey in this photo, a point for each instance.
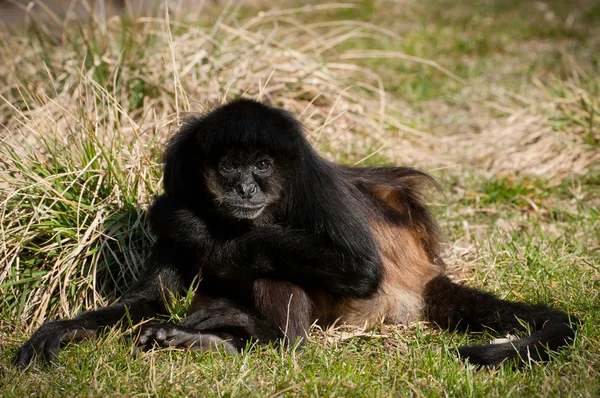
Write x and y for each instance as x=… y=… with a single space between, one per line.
x=282 y=238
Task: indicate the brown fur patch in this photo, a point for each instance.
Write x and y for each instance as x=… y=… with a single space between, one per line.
x=408 y=240
x=405 y=260
x=407 y=270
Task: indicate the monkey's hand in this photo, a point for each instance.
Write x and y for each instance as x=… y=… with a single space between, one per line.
x=171 y=219
x=47 y=340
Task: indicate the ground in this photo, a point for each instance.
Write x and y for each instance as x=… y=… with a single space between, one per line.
x=499 y=100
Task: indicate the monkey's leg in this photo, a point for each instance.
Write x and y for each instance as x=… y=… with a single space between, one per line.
x=144 y=301
x=286 y=306
x=283 y=310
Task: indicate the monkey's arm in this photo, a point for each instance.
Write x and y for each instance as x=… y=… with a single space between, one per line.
x=352 y=269
x=163 y=273
x=274 y=252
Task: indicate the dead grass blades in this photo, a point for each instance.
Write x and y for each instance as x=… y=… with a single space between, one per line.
x=552 y=133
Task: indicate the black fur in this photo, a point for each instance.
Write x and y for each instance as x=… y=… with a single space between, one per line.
x=310 y=236
x=279 y=252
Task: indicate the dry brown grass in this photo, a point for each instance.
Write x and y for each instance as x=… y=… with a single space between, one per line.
x=553 y=132
x=523 y=144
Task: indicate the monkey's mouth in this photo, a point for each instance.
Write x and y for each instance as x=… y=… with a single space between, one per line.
x=247 y=210
x=249 y=206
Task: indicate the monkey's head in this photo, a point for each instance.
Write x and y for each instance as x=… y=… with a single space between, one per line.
x=247 y=161
x=236 y=161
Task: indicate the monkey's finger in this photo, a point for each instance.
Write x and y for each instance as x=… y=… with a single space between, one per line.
x=184 y=340
x=156 y=331
x=148 y=334
x=160 y=334
x=140 y=348
x=144 y=336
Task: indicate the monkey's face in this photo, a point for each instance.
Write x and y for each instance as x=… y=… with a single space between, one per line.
x=243 y=183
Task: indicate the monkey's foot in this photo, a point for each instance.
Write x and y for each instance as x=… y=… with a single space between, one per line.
x=167 y=335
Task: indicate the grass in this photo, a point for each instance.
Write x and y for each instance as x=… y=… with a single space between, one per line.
x=451 y=87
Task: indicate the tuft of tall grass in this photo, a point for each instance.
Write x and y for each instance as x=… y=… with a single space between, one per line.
x=73 y=230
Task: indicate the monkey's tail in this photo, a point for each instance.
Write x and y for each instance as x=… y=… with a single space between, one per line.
x=454 y=306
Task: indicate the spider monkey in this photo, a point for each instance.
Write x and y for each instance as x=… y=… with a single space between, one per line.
x=283 y=238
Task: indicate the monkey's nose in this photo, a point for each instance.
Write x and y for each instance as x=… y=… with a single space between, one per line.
x=247 y=190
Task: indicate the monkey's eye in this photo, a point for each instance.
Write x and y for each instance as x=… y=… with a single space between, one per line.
x=263 y=165
x=227 y=167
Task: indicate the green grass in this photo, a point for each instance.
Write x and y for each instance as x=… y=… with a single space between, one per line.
x=88 y=106
x=557 y=266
